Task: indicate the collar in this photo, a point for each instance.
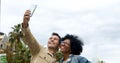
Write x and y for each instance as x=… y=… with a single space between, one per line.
x=52 y=55
x=68 y=60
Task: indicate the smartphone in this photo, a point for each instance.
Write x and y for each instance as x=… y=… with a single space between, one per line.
x=32 y=9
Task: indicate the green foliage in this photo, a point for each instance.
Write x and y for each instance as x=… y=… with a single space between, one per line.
x=101 y=61
x=58 y=55
x=3 y=58
x=17 y=51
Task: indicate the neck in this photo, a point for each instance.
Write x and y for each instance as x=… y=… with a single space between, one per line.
x=66 y=56
x=52 y=50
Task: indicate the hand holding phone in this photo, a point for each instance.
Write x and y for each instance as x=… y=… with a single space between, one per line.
x=32 y=9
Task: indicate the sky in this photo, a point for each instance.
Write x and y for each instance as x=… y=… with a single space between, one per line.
x=96 y=22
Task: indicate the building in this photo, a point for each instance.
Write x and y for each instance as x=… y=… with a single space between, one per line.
x=3 y=42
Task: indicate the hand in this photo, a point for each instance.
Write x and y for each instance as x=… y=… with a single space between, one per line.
x=26 y=18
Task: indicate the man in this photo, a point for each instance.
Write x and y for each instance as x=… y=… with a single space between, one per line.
x=39 y=53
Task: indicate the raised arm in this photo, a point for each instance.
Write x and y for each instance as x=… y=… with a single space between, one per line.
x=28 y=37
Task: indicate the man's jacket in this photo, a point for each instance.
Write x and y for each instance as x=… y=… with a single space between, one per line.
x=39 y=53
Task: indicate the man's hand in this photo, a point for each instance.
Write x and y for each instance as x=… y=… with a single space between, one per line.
x=26 y=18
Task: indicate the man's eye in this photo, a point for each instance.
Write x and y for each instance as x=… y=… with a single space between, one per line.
x=56 y=39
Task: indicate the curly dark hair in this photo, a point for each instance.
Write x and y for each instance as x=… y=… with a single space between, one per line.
x=75 y=44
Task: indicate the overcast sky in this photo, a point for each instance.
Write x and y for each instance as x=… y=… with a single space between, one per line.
x=96 y=22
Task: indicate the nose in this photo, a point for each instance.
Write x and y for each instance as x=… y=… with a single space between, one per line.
x=52 y=39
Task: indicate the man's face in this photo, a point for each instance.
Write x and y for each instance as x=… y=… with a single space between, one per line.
x=53 y=41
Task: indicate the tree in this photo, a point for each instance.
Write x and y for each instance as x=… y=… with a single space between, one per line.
x=101 y=61
x=17 y=51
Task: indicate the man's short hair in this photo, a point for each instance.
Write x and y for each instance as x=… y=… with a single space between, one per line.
x=56 y=34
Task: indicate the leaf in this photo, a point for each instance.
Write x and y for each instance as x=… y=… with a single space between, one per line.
x=58 y=55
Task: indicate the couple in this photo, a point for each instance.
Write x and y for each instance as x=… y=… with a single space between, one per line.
x=70 y=46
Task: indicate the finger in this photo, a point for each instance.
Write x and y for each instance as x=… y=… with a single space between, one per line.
x=27 y=14
x=27 y=11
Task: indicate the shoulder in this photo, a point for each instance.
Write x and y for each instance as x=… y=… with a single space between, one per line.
x=81 y=59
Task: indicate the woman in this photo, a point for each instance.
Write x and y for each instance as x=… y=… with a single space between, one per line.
x=71 y=47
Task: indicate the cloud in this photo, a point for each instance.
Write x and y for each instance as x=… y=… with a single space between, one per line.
x=77 y=5
x=97 y=22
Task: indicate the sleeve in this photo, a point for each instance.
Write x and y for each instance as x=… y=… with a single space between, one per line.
x=31 y=41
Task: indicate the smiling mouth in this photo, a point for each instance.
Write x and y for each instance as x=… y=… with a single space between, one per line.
x=62 y=47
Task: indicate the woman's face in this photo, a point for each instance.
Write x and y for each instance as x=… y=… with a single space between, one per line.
x=65 y=46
